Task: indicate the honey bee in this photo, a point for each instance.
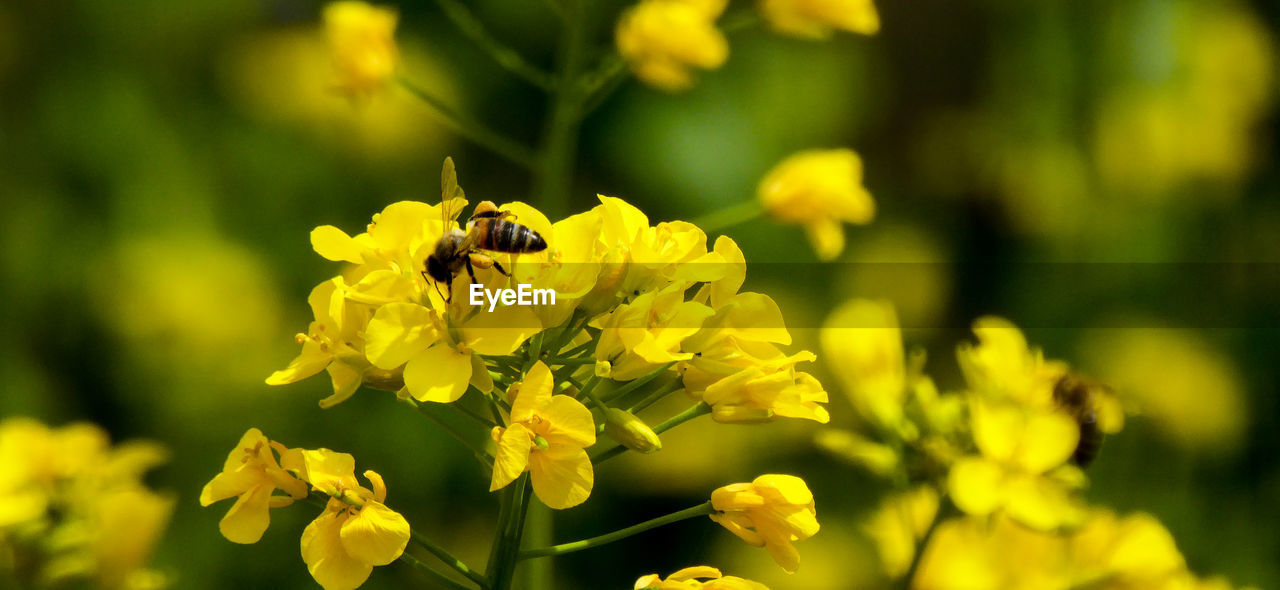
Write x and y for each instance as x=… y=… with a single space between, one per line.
x=1078 y=398
x=488 y=229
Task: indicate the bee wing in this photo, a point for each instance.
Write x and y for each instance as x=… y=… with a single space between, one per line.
x=452 y=199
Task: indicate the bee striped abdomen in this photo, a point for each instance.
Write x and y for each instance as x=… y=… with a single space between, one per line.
x=500 y=235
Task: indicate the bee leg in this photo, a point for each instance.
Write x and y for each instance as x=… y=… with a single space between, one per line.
x=470 y=270
x=448 y=298
x=498 y=267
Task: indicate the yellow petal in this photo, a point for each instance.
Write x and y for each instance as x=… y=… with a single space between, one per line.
x=827 y=238
x=228 y=484
x=735 y=271
x=500 y=331
x=781 y=488
x=438 y=374
x=512 y=457
x=480 y=377
x=534 y=394
x=562 y=476
x=397 y=332
x=1048 y=441
x=976 y=485
x=329 y=471
x=334 y=244
x=695 y=572
x=570 y=422
x=785 y=555
x=346 y=380
x=1040 y=502
x=311 y=361
x=327 y=559
x=376 y=535
x=381 y=287
x=248 y=518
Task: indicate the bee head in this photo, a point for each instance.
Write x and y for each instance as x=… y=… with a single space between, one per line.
x=437 y=269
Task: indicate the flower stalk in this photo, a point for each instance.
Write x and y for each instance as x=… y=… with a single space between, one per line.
x=703 y=509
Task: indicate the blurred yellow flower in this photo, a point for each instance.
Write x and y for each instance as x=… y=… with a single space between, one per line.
x=356 y=531
x=690 y=579
x=1002 y=365
x=863 y=343
x=818 y=19
x=662 y=39
x=362 y=41
x=546 y=435
x=899 y=525
x=1188 y=389
x=819 y=189
x=771 y=512
x=1020 y=447
x=252 y=473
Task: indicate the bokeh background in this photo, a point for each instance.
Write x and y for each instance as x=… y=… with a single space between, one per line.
x=1103 y=173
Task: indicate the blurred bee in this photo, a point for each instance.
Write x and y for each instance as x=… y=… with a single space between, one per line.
x=487 y=229
x=1078 y=398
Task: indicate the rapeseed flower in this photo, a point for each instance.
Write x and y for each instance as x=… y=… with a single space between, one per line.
x=1003 y=366
x=356 y=531
x=771 y=512
x=362 y=43
x=546 y=436
x=818 y=19
x=252 y=473
x=637 y=337
x=819 y=189
x=691 y=578
x=662 y=39
x=333 y=342
x=864 y=342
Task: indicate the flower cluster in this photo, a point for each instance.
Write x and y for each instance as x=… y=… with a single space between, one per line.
x=74 y=510
x=691 y=578
x=990 y=471
x=355 y=531
x=662 y=39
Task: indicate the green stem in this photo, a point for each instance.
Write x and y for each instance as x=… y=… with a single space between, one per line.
x=741 y=21
x=692 y=412
x=503 y=559
x=945 y=510
x=431 y=411
x=448 y=559
x=658 y=394
x=638 y=381
x=581 y=348
x=505 y=56
x=717 y=221
x=472 y=129
x=440 y=578
x=703 y=509
x=561 y=136
x=601 y=84
x=539 y=526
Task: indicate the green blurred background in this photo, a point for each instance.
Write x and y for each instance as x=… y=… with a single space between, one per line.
x=1086 y=169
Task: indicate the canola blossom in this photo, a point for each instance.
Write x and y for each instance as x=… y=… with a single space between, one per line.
x=662 y=40
x=821 y=190
x=362 y=43
x=700 y=577
x=819 y=19
x=771 y=511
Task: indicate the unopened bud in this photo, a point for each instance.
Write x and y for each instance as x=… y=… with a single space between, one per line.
x=603 y=369
x=630 y=431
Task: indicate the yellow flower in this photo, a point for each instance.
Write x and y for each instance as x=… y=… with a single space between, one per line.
x=1021 y=469
x=546 y=436
x=252 y=473
x=899 y=525
x=751 y=395
x=662 y=39
x=817 y=19
x=356 y=531
x=636 y=337
x=361 y=39
x=333 y=342
x=864 y=343
x=770 y=512
x=1002 y=366
x=689 y=579
x=819 y=189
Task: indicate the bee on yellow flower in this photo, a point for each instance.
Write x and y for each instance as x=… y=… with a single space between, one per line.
x=663 y=39
x=362 y=42
x=692 y=578
x=819 y=19
x=546 y=436
x=819 y=189
x=771 y=512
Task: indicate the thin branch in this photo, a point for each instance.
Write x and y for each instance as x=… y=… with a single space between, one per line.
x=474 y=130
x=505 y=56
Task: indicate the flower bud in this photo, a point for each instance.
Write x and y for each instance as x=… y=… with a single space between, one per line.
x=630 y=431
x=603 y=369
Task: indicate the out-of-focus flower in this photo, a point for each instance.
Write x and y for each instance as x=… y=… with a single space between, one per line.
x=547 y=435
x=899 y=525
x=818 y=19
x=1185 y=387
x=864 y=345
x=74 y=510
x=251 y=474
x=771 y=512
x=819 y=189
x=356 y=531
x=691 y=578
x=1021 y=448
x=850 y=446
x=362 y=41
x=1002 y=366
x=662 y=39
